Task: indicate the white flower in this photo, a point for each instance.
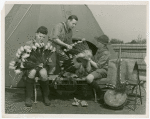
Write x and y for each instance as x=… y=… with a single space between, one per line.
x=75 y=43
x=12 y=63
x=72 y=44
x=17 y=55
x=51 y=47
x=27 y=47
x=25 y=55
x=79 y=41
x=28 y=50
x=21 y=49
x=34 y=47
x=46 y=47
x=42 y=44
x=54 y=49
x=48 y=44
x=11 y=67
x=40 y=65
x=19 y=52
x=23 y=60
x=18 y=71
x=37 y=45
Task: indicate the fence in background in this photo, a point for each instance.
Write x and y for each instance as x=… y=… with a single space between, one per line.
x=133 y=51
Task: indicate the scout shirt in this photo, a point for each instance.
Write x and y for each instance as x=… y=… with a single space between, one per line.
x=102 y=58
x=62 y=32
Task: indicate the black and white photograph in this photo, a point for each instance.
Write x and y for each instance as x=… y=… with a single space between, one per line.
x=76 y=58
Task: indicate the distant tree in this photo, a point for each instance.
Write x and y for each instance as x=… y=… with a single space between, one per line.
x=139 y=40
x=133 y=42
x=143 y=41
x=116 y=41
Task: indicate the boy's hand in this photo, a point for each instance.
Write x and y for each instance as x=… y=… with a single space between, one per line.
x=88 y=69
x=87 y=58
x=69 y=46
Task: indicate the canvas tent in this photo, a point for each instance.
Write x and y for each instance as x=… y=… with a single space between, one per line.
x=23 y=20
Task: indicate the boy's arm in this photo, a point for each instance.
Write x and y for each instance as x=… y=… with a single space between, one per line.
x=88 y=67
x=103 y=59
x=94 y=64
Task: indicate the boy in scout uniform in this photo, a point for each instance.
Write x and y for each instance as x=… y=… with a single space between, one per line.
x=99 y=63
x=39 y=37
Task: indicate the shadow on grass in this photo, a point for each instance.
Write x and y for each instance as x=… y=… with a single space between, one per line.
x=67 y=94
x=18 y=94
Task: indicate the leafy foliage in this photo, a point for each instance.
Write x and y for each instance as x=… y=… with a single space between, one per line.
x=116 y=41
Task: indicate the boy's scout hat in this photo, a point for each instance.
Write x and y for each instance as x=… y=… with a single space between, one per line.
x=103 y=39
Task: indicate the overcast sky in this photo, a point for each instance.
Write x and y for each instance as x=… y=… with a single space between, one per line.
x=124 y=22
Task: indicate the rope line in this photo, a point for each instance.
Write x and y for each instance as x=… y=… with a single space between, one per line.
x=19 y=22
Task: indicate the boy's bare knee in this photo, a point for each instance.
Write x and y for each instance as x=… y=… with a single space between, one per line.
x=89 y=78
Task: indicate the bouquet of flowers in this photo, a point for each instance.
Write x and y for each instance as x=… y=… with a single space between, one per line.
x=78 y=57
x=32 y=58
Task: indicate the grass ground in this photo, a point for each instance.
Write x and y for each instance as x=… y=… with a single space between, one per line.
x=62 y=104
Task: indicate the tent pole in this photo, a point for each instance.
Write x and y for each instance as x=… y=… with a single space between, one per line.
x=19 y=22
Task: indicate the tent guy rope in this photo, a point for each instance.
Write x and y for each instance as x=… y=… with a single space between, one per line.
x=19 y=22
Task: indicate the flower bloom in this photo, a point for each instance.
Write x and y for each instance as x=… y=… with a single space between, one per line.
x=23 y=60
x=79 y=41
x=25 y=55
x=28 y=50
x=49 y=44
x=19 y=52
x=37 y=45
x=34 y=47
x=12 y=63
x=18 y=71
x=17 y=55
x=21 y=49
x=51 y=47
x=27 y=47
x=46 y=47
x=12 y=67
x=54 y=49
